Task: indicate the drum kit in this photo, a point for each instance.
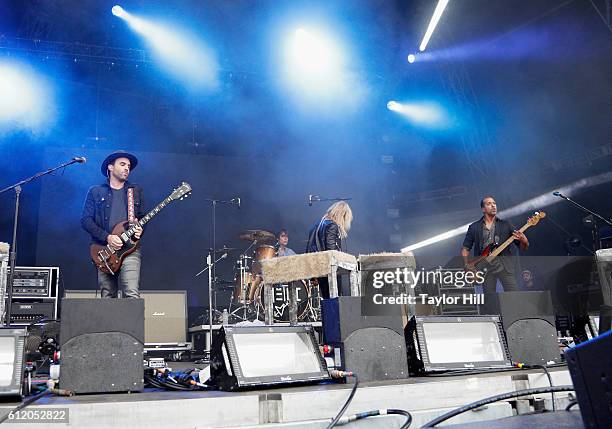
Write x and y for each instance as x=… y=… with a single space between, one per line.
x=247 y=301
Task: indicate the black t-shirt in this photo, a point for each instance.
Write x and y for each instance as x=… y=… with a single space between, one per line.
x=118 y=209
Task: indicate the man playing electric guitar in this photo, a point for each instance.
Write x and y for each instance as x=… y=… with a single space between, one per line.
x=107 y=205
x=487 y=233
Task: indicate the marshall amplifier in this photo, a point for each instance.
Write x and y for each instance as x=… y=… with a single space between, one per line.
x=165 y=315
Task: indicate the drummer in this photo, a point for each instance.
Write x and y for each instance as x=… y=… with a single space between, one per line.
x=283 y=240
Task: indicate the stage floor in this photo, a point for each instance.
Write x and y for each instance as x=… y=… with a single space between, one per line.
x=303 y=406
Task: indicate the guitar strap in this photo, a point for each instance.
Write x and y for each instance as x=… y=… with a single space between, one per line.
x=130 y=204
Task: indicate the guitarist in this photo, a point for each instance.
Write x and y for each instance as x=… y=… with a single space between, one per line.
x=490 y=230
x=106 y=205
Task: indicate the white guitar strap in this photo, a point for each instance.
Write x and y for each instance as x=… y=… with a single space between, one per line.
x=130 y=204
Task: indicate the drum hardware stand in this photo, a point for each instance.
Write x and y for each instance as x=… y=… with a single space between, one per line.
x=13 y=249
x=242 y=269
x=210 y=265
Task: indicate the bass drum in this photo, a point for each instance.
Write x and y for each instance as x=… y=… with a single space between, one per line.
x=281 y=301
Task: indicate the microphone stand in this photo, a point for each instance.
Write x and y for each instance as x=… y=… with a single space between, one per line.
x=319 y=199
x=591 y=213
x=212 y=273
x=13 y=252
x=210 y=266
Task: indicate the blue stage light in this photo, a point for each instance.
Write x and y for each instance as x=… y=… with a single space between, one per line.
x=119 y=11
x=317 y=71
x=393 y=106
x=422 y=114
x=411 y=58
x=26 y=100
x=178 y=52
x=314 y=60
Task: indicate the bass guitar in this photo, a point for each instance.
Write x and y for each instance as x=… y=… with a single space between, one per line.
x=492 y=251
x=108 y=259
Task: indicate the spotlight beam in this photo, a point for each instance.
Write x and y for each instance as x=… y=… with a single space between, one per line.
x=532 y=204
x=433 y=23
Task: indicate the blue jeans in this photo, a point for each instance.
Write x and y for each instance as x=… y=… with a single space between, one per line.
x=127 y=279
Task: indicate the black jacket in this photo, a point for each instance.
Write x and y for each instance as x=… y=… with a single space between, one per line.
x=503 y=231
x=97 y=210
x=324 y=235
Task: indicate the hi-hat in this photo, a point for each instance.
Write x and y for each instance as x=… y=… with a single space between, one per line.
x=223 y=249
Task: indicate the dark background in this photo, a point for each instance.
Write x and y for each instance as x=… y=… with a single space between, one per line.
x=528 y=84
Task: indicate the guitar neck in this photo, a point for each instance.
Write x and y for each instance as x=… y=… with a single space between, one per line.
x=146 y=218
x=505 y=244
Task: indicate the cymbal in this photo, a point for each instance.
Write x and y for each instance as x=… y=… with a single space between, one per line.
x=256 y=235
x=223 y=249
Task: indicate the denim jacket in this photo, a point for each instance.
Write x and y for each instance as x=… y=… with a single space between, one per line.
x=97 y=210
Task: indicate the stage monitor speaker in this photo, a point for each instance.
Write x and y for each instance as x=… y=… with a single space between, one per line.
x=371 y=346
x=12 y=351
x=590 y=366
x=165 y=314
x=266 y=356
x=528 y=319
x=101 y=342
x=342 y=316
x=446 y=343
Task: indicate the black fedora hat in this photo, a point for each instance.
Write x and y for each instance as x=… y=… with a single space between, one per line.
x=116 y=155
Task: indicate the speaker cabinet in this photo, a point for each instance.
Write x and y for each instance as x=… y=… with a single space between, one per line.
x=102 y=345
x=371 y=346
x=528 y=320
x=590 y=366
x=165 y=314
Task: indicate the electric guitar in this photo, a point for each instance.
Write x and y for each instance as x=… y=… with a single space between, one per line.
x=483 y=262
x=108 y=259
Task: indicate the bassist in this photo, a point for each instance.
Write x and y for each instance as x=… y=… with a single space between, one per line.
x=107 y=205
x=491 y=231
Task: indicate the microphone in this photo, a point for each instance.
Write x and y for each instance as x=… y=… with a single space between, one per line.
x=559 y=194
x=80 y=159
x=312 y=198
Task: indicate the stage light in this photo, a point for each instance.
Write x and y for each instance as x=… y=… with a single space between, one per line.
x=533 y=204
x=411 y=58
x=247 y=357
x=26 y=101
x=181 y=54
x=12 y=349
x=442 y=343
x=424 y=114
x=314 y=60
x=433 y=23
x=393 y=106
x=316 y=71
x=119 y=11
